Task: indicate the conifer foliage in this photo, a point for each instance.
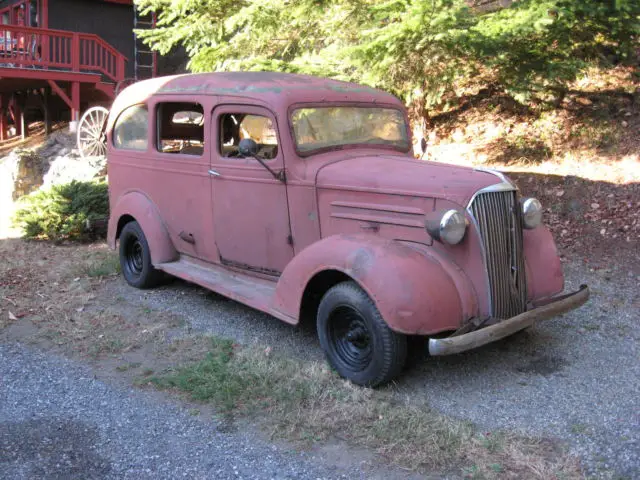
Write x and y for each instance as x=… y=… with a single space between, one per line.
x=421 y=50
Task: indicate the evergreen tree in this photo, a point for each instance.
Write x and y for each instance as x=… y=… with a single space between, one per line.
x=420 y=50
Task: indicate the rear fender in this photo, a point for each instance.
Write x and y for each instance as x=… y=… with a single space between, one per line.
x=413 y=292
x=142 y=209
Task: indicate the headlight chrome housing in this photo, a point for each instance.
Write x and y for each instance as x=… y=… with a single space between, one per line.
x=449 y=228
x=531 y=213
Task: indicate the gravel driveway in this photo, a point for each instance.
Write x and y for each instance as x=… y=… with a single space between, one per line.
x=58 y=422
x=576 y=378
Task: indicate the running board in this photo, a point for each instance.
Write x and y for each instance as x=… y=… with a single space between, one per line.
x=253 y=291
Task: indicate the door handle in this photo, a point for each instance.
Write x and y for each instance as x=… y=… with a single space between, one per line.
x=214 y=173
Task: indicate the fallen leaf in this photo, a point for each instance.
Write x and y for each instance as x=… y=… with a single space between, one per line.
x=559 y=193
x=595 y=206
x=12 y=317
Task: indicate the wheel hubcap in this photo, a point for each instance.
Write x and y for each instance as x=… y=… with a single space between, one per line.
x=350 y=338
x=134 y=257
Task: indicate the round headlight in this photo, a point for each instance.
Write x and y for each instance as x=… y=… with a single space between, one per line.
x=453 y=225
x=531 y=213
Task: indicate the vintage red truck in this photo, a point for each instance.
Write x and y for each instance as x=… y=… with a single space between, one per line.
x=299 y=196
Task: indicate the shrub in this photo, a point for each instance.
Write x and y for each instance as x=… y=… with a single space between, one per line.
x=75 y=211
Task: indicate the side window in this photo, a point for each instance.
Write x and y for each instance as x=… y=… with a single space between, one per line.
x=132 y=128
x=238 y=126
x=180 y=128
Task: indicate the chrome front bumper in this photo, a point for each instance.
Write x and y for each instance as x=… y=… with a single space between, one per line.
x=484 y=335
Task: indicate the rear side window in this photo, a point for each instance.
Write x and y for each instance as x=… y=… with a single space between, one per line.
x=131 y=129
x=180 y=128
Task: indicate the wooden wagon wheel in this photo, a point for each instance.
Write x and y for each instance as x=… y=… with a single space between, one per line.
x=92 y=138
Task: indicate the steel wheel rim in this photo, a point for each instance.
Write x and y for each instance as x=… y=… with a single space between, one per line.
x=134 y=257
x=350 y=338
x=92 y=138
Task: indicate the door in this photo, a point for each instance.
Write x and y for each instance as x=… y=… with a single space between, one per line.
x=250 y=211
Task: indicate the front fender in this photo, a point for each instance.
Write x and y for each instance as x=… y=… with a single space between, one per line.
x=138 y=206
x=413 y=292
x=544 y=270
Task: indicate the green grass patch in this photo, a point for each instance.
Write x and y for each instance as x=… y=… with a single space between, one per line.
x=307 y=402
x=103 y=264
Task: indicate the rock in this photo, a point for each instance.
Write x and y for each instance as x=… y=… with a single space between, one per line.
x=574 y=208
x=64 y=169
x=26 y=169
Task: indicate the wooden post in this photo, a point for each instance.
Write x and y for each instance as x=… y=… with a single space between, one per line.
x=44 y=14
x=75 y=52
x=3 y=118
x=21 y=121
x=44 y=98
x=75 y=106
x=17 y=114
x=24 y=128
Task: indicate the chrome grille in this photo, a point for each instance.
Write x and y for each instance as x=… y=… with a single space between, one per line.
x=499 y=220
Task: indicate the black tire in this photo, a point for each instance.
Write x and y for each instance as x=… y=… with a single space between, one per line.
x=135 y=258
x=356 y=340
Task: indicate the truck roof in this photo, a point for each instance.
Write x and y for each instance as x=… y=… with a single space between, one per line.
x=276 y=89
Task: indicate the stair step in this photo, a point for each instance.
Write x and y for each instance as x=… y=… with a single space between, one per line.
x=248 y=289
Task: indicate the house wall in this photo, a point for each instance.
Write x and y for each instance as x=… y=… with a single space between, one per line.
x=110 y=21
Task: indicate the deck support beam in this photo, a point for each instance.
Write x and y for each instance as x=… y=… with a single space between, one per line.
x=60 y=92
x=73 y=103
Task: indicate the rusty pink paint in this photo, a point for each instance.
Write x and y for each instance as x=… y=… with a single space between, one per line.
x=358 y=210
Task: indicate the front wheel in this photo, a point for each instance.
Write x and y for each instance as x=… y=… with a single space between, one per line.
x=135 y=258
x=356 y=340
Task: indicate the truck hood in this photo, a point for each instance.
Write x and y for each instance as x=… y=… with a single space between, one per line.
x=399 y=175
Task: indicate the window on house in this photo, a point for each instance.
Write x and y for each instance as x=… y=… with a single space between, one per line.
x=238 y=126
x=131 y=129
x=180 y=128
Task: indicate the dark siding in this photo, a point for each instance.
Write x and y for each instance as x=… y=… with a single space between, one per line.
x=110 y=21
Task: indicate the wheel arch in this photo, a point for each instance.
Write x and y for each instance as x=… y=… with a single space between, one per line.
x=122 y=221
x=407 y=286
x=135 y=206
x=315 y=289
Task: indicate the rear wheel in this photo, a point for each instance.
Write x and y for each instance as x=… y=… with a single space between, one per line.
x=356 y=340
x=135 y=258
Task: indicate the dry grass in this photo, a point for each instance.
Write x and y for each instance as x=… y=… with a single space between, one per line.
x=308 y=403
x=56 y=294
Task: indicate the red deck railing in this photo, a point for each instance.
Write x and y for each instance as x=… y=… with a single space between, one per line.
x=29 y=47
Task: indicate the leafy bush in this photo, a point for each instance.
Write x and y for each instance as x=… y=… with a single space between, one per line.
x=75 y=211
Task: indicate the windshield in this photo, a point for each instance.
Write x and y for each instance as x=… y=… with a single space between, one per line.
x=326 y=127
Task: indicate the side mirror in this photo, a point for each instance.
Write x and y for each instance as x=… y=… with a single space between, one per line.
x=248 y=147
x=423 y=145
